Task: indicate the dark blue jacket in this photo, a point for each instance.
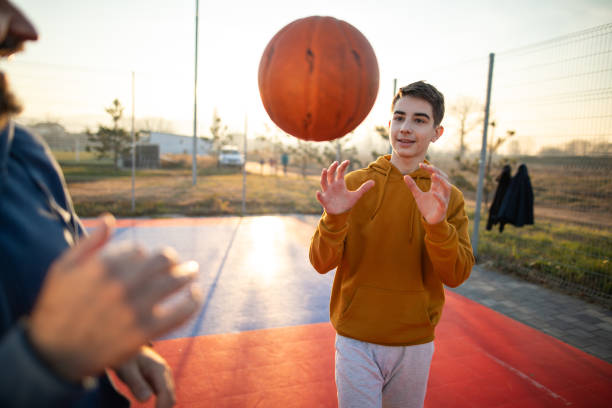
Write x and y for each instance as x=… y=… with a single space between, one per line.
x=37 y=224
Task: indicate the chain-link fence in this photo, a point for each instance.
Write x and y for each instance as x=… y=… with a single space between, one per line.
x=551 y=109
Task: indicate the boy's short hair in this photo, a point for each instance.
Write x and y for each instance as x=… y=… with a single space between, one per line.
x=426 y=92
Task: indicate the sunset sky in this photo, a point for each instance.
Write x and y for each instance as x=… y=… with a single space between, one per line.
x=88 y=49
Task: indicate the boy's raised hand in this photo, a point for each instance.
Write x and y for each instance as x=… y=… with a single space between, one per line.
x=433 y=203
x=334 y=196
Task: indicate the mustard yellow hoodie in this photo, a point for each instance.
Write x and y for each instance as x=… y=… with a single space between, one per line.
x=391 y=264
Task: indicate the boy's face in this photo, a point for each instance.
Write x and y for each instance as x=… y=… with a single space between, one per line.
x=412 y=128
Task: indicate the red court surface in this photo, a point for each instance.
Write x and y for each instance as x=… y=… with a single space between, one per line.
x=482 y=359
x=263 y=337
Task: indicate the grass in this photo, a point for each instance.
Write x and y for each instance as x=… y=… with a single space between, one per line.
x=573 y=255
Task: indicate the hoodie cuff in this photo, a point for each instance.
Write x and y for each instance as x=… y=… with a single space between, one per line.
x=335 y=222
x=439 y=232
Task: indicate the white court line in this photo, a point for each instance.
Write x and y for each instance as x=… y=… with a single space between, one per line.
x=528 y=378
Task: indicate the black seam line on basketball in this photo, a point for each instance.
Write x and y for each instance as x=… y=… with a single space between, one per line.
x=360 y=85
x=307 y=122
x=310 y=59
x=357 y=57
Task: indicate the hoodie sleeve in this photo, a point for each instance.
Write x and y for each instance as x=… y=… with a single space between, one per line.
x=448 y=244
x=327 y=244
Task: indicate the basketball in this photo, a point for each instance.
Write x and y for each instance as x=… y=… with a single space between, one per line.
x=318 y=78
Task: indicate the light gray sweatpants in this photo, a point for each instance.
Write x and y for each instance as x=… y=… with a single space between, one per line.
x=373 y=376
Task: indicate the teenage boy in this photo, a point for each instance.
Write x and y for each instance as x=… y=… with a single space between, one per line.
x=396 y=231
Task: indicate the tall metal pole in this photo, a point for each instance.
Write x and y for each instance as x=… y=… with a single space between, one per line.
x=195 y=103
x=133 y=147
x=394 y=92
x=483 y=157
x=244 y=166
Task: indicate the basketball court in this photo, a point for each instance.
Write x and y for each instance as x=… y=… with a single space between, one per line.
x=263 y=337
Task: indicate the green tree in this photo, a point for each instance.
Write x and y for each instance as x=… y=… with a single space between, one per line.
x=111 y=141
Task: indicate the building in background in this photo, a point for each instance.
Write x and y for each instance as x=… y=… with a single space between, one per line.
x=176 y=144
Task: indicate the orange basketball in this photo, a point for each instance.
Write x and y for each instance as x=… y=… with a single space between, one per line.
x=318 y=78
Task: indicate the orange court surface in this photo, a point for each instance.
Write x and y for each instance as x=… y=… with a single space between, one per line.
x=263 y=337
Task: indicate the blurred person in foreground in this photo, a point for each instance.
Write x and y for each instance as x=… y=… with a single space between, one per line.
x=68 y=310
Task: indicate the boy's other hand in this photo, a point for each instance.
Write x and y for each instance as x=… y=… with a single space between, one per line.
x=334 y=196
x=432 y=204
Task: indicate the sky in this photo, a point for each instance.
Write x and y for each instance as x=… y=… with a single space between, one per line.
x=88 y=50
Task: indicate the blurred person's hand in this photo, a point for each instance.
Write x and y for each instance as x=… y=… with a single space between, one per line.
x=97 y=311
x=334 y=196
x=147 y=374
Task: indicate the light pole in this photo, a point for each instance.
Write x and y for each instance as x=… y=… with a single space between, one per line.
x=195 y=103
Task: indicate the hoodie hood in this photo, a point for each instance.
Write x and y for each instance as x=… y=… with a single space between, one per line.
x=390 y=173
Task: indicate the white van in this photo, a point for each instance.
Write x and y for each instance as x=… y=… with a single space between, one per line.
x=230 y=156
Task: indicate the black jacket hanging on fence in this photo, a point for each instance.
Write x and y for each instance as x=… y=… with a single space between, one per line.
x=517 y=205
x=500 y=192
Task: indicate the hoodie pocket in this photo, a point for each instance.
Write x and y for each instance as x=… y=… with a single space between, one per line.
x=387 y=316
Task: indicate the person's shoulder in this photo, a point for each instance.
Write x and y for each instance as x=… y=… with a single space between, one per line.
x=456 y=196
x=24 y=136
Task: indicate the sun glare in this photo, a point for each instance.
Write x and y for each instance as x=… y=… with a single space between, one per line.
x=263 y=262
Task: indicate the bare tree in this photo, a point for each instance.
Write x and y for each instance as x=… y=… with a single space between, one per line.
x=218 y=131
x=383 y=132
x=340 y=150
x=468 y=112
x=305 y=153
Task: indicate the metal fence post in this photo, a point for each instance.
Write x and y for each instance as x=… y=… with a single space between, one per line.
x=244 y=175
x=483 y=157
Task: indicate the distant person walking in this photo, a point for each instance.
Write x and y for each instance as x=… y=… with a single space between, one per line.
x=285 y=162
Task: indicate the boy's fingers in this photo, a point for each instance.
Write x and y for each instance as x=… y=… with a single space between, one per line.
x=416 y=191
x=331 y=172
x=441 y=183
x=320 y=198
x=324 y=180
x=365 y=187
x=433 y=170
x=341 y=170
x=441 y=199
x=88 y=245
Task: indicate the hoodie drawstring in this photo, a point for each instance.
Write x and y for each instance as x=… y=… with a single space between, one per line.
x=382 y=193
